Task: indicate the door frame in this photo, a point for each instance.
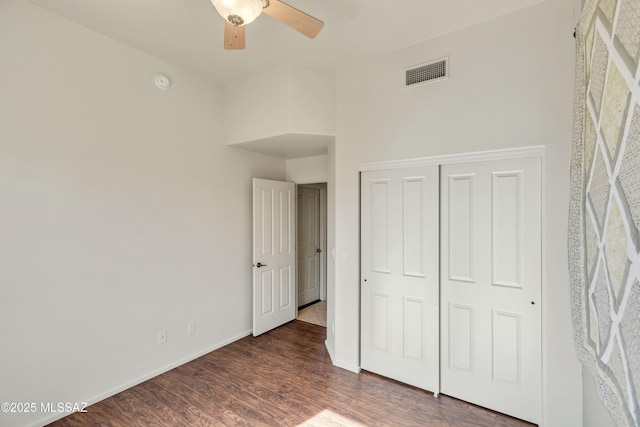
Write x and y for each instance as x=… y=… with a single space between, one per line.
x=500 y=154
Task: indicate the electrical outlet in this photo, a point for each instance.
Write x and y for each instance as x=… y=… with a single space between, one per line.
x=191 y=327
x=162 y=336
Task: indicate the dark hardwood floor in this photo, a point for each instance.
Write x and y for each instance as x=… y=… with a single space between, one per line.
x=282 y=378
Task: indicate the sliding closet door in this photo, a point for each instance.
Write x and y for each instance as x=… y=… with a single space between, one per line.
x=399 y=276
x=491 y=285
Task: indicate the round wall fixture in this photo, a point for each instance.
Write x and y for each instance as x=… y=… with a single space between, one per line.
x=162 y=82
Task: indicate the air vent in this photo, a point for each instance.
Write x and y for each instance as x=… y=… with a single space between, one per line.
x=427 y=73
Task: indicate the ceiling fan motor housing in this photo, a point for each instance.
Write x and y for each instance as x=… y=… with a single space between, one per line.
x=235 y=20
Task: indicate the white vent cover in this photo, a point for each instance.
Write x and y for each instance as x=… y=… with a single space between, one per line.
x=432 y=71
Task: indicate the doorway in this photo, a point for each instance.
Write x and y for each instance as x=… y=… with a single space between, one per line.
x=311 y=225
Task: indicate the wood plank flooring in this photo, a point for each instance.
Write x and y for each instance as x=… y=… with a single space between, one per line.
x=282 y=378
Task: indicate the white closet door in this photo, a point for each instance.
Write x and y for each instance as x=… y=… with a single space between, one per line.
x=399 y=277
x=491 y=285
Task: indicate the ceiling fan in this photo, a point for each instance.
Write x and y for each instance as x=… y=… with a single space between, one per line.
x=238 y=13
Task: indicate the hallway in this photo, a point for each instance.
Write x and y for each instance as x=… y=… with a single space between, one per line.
x=315 y=313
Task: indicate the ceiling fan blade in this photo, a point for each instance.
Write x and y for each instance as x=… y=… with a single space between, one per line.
x=233 y=37
x=294 y=18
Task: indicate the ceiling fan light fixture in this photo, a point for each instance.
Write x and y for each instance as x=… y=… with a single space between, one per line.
x=238 y=12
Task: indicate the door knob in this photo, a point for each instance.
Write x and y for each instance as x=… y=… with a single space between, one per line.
x=318 y=250
x=260 y=265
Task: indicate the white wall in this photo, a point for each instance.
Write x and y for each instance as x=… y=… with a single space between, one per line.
x=283 y=100
x=511 y=85
x=308 y=170
x=312 y=100
x=121 y=212
x=258 y=107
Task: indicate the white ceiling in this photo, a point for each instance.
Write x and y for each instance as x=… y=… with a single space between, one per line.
x=190 y=32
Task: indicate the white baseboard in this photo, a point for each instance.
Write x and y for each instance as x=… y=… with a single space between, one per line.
x=339 y=364
x=329 y=350
x=347 y=366
x=95 y=399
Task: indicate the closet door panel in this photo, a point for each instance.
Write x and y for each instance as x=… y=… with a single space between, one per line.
x=399 y=283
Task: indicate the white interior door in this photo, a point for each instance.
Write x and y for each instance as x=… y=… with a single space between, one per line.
x=400 y=263
x=491 y=285
x=274 y=257
x=308 y=245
